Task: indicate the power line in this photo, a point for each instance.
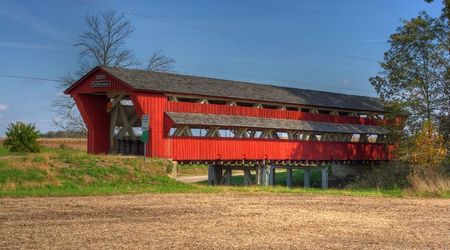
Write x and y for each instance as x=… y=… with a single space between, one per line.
x=208 y=70
x=231 y=34
x=31 y=78
x=278 y=81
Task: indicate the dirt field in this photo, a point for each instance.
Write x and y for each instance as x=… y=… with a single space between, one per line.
x=224 y=221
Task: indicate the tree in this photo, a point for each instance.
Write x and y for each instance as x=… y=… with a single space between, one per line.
x=21 y=137
x=159 y=62
x=102 y=44
x=415 y=68
x=429 y=151
x=444 y=125
x=445 y=10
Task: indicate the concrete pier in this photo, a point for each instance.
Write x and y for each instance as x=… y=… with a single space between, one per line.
x=306 y=178
x=325 y=178
x=288 y=177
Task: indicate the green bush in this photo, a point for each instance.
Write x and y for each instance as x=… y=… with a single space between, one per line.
x=21 y=137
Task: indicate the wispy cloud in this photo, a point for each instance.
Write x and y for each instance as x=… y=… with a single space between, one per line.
x=3 y=107
x=26 y=45
x=346 y=83
x=381 y=40
x=29 y=20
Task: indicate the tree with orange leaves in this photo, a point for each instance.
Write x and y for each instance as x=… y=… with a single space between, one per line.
x=429 y=151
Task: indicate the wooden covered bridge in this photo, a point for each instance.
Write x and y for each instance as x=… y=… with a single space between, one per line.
x=228 y=124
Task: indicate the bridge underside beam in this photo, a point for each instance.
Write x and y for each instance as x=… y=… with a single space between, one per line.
x=262 y=173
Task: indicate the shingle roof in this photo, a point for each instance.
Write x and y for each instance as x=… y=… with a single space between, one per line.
x=283 y=124
x=184 y=84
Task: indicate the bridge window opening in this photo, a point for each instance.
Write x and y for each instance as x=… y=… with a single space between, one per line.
x=198 y=131
x=192 y=100
x=218 y=102
x=372 y=138
x=224 y=132
x=292 y=108
x=283 y=135
x=268 y=106
x=343 y=113
x=245 y=104
x=355 y=138
x=126 y=102
x=306 y=110
x=324 y=112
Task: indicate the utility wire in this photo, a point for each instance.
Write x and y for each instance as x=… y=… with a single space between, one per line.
x=230 y=34
x=30 y=78
x=276 y=80
x=205 y=29
x=208 y=70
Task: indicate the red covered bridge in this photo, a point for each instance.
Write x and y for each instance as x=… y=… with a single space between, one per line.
x=227 y=122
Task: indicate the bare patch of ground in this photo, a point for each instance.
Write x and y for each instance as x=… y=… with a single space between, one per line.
x=225 y=220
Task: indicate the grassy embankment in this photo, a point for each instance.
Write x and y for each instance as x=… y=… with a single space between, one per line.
x=72 y=172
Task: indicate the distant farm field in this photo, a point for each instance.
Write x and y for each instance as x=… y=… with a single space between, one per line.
x=77 y=143
x=225 y=220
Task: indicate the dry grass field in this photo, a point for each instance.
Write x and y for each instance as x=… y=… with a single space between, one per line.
x=77 y=143
x=225 y=220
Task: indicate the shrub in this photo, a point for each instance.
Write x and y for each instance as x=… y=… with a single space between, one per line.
x=385 y=176
x=21 y=137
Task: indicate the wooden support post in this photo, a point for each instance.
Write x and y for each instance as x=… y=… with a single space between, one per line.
x=306 y=178
x=248 y=178
x=262 y=176
x=211 y=175
x=325 y=178
x=289 y=177
x=272 y=175
x=228 y=175
x=265 y=175
x=174 y=169
x=217 y=175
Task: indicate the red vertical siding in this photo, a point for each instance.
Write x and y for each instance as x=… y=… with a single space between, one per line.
x=93 y=110
x=116 y=84
x=185 y=148
x=154 y=106
x=266 y=113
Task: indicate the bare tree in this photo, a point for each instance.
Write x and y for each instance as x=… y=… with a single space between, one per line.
x=103 y=44
x=159 y=62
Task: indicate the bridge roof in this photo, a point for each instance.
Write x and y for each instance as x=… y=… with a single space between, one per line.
x=282 y=124
x=203 y=86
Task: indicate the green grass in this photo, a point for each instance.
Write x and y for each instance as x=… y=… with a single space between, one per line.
x=192 y=169
x=70 y=172
x=64 y=172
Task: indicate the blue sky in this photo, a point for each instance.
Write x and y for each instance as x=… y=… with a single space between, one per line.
x=304 y=44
